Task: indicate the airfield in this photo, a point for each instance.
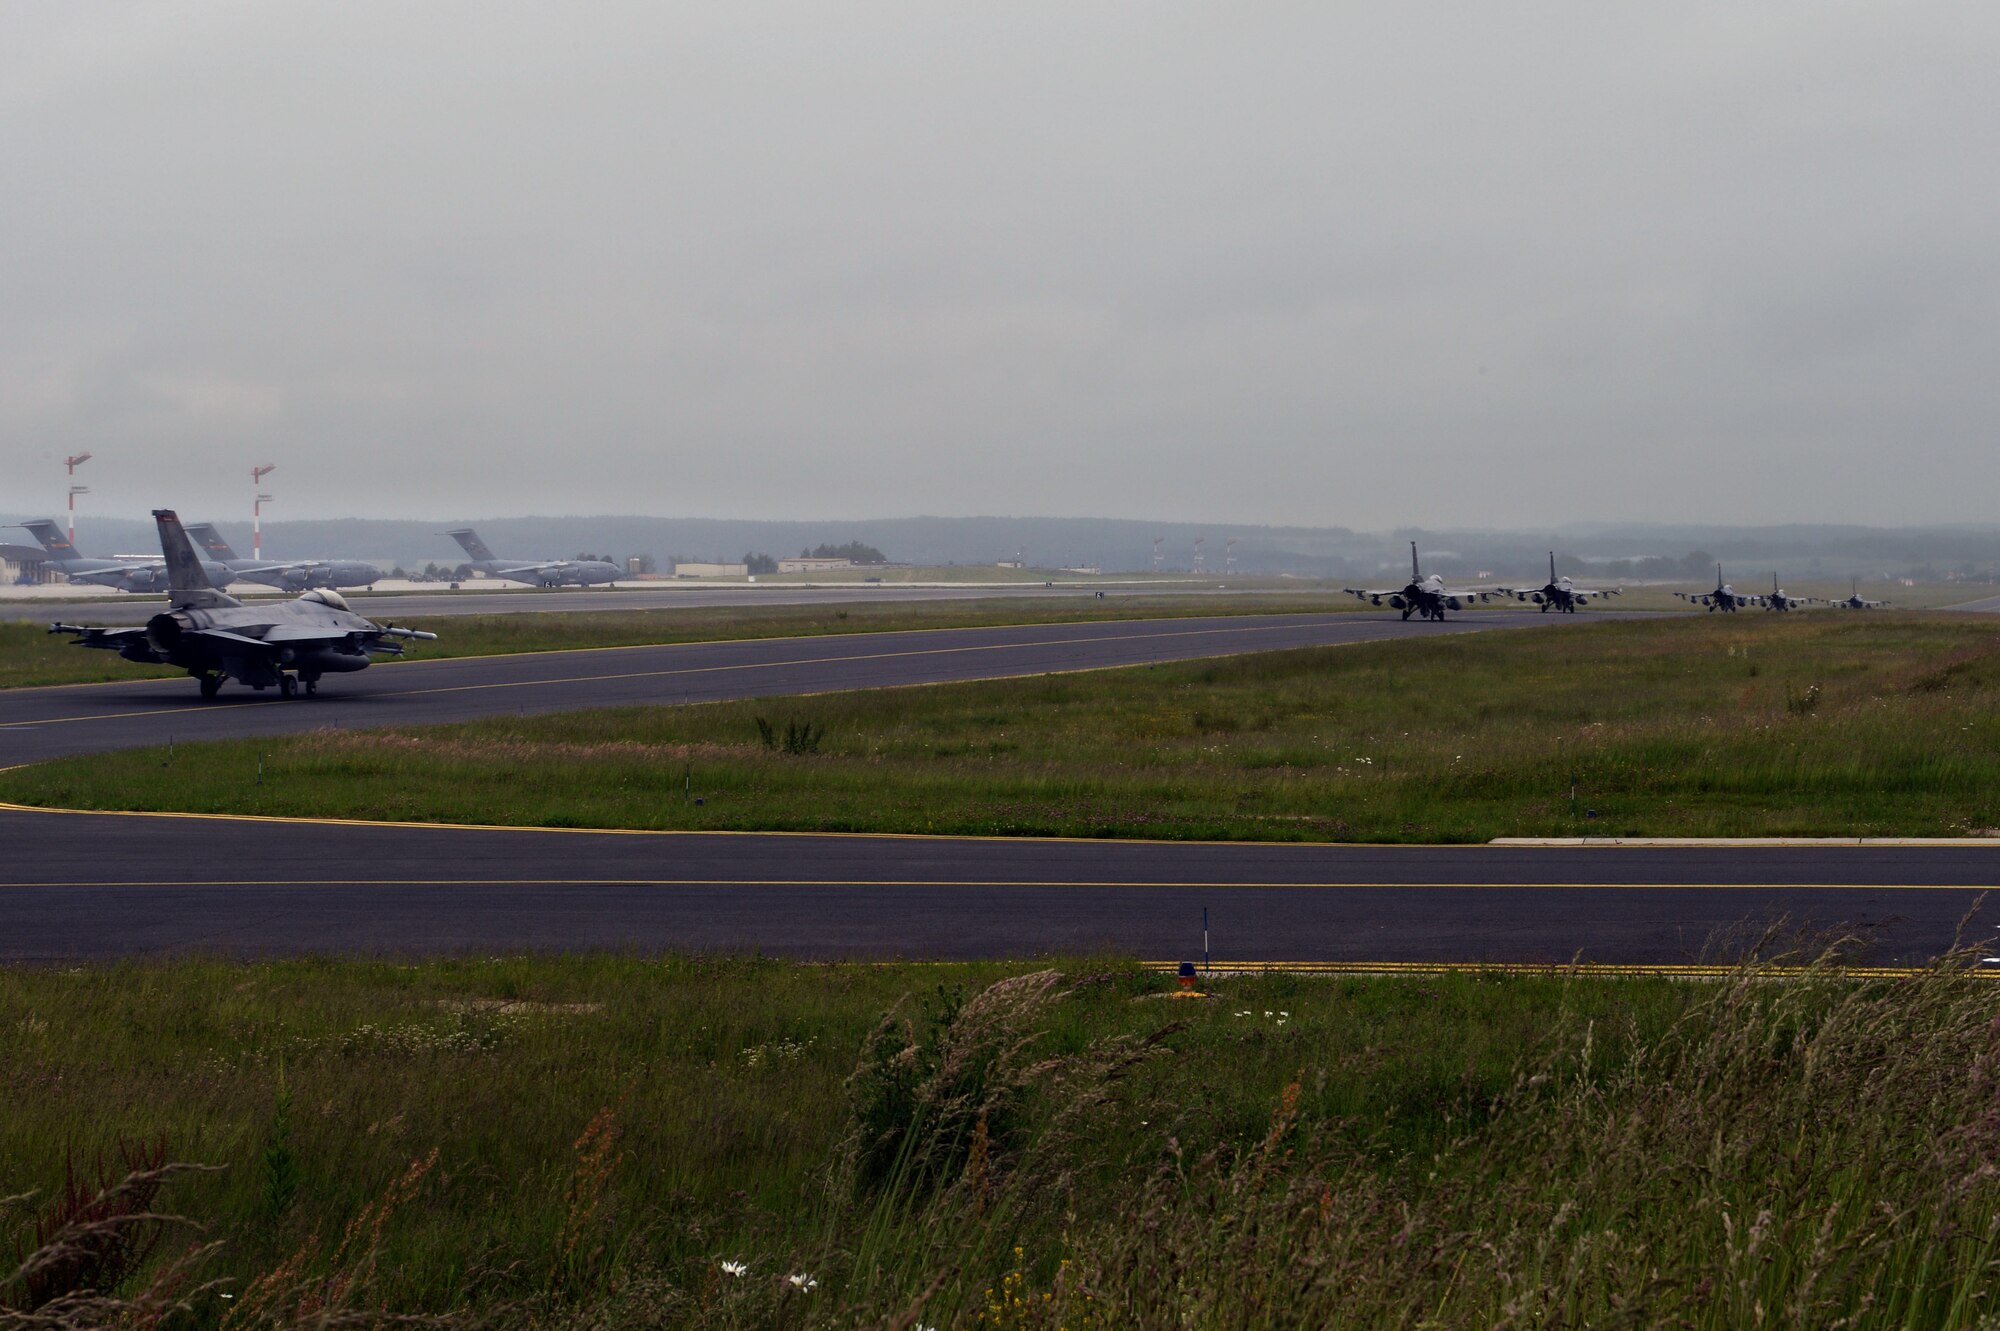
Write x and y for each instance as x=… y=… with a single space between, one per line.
x=84 y=886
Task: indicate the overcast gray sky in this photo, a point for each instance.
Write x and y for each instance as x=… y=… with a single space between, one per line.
x=1360 y=264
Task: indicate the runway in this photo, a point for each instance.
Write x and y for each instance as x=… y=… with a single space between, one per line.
x=39 y=724
x=92 y=887
x=78 y=887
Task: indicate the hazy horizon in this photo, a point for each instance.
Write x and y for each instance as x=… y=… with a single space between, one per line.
x=1315 y=266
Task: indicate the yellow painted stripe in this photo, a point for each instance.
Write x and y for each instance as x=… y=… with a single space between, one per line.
x=301 y=820
x=1636 y=970
x=1164 y=883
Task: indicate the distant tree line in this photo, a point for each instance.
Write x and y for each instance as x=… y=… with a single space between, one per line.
x=760 y=563
x=853 y=550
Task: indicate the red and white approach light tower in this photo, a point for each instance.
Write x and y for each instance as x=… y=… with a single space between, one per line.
x=257 y=475
x=73 y=462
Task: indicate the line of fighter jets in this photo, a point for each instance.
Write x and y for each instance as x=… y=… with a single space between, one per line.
x=221 y=566
x=287 y=645
x=1429 y=598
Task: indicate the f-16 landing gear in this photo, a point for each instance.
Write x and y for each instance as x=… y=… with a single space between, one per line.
x=210 y=685
x=288 y=687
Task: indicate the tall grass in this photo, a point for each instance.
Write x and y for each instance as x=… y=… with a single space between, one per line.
x=1662 y=727
x=754 y=1144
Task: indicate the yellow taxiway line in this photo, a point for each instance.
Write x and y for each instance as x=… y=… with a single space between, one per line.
x=1551 y=970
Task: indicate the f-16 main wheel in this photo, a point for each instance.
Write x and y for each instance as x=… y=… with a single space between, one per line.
x=287 y=686
x=211 y=685
x=1406 y=614
x=312 y=688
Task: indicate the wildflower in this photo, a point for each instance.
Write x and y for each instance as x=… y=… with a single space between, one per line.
x=802 y=1282
x=735 y=1268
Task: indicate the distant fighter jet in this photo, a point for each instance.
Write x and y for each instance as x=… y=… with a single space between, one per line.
x=126 y=575
x=292 y=575
x=534 y=572
x=1724 y=597
x=1428 y=597
x=1778 y=600
x=1560 y=594
x=216 y=637
x=1859 y=602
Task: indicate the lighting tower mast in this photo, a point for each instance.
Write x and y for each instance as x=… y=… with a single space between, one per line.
x=1157 y=542
x=73 y=462
x=1229 y=556
x=257 y=475
x=1197 y=552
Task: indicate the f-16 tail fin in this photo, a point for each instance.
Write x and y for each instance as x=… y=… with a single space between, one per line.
x=209 y=539
x=188 y=586
x=1552 y=566
x=469 y=541
x=1414 y=575
x=52 y=538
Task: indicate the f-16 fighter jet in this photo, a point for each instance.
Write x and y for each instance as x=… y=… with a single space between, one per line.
x=1428 y=597
x=292 y=575
x=535 y=572
x=1560 y=594
x=1778 y=600
x=216 y=637
x=1724 y=597
x=1859 y=602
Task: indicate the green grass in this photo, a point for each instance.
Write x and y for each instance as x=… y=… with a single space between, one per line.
x=1806 y=725
x=592 y=1136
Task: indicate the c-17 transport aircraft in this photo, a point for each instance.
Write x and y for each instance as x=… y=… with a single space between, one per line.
x=216 y=637
x=1428 y=597
x=1856 y=601
x=1724 y=597
x=534 y=572
x=292 y=575
x=1560 y=595
x=126 y=575
x=1778 y=600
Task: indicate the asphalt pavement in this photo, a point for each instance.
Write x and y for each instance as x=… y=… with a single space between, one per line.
x=91 y=887
x=38 y=724
x=97 y=886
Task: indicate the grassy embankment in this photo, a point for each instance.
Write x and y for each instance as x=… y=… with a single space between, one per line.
x=585 y=1142
x=31 y=656
x=1819 y=725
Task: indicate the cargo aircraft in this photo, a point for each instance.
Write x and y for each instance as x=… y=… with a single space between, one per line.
x=1428 y=597
x=292 y=575
x=216 y=637
x=534 y=572
x=1724 y=597
x=1560 y=595
x=126 y=575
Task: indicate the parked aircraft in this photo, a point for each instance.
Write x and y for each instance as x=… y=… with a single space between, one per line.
x=216 y=637
x=1857 y=601
x=292 y=575
x=1778 y=600
x=1428 y=597
x=1724 y=597
x=1560 y=594
x=127 y=575
x=534 y=572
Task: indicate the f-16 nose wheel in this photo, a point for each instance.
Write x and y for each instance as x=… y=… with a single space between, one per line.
x=211 y=685
x=287 y=686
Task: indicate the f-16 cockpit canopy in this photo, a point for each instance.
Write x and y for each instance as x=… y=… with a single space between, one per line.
x=328 y=597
